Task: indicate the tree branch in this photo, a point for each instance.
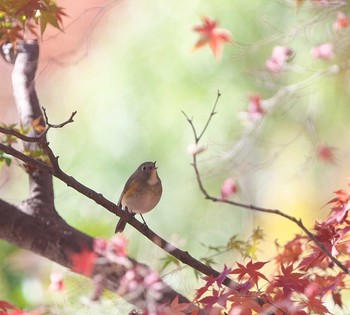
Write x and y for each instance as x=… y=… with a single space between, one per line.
x=38 y=227
x=58 y=241
x=70 y=181
x=41 y=136
x=298 y=222
x=41 y=195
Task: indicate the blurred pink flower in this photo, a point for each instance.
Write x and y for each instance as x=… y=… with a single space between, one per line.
x=57 y=283
x=228 y=188
x=119 y=245
x=195 y=149
x=100 y=245
x=323 y=51
x=280 y=55
x=325 y=153
x=114 y=250
x=139 y=278
x=341 y=22
x=255 y=110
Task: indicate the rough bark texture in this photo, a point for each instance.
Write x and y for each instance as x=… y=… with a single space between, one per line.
x=41 y=196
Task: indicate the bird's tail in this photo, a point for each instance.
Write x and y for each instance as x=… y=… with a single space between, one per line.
x=120 y=226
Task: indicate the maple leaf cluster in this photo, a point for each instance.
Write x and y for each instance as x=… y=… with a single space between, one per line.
x=18 y=16
x=304 y=278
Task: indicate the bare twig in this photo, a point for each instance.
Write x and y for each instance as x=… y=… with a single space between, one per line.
x=61 y=125
x=298 y=222
x=37 y=138
x=212 y=113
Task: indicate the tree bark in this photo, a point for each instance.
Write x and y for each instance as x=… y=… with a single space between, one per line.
x=40 y=202
x=58 y=241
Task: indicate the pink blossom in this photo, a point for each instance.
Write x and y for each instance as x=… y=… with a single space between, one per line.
x=255 y=110
x=341 y=22
x=57 y=283
x=195 y=149
x=100 y=245
x=152 y=280
x=139 y=278
x=280 y=55
x=325 y=153
x=323 y=51
x=114 y=250
x=119 y=245
x=228 y=188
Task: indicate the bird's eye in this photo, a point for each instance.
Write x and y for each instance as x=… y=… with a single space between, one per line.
x=144 y=168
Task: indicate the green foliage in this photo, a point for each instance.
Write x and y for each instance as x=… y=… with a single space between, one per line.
x=5 y=158
x=247 y=249
x=169 y=260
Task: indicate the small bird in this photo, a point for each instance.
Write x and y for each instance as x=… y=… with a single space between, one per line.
x=141 y=192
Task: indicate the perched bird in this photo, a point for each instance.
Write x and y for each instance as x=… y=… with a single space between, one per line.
x=141 y=192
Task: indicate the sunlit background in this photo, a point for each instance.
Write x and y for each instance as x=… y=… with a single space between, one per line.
x=128 y=69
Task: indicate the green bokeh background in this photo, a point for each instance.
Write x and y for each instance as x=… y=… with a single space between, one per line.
x=136 y=73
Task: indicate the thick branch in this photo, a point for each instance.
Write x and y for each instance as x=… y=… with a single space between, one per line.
x=41 y=195
x=39 y=228
x=181 y=255
x=58 y=241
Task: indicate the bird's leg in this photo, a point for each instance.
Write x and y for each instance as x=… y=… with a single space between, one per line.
x=131 y=214
x=144 y=222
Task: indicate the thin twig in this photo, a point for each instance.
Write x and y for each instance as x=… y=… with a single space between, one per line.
x=190 y=120
x=212 y=113
x=61 y=125
x=252 y=207
x=39 y=137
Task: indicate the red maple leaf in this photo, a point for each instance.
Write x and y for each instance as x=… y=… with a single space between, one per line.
x=340 y=208
x=212 y=35
x=315 y=306
x=5 y=305
x=244 y=304
x=337 y=298
x=9 y=309
x=279 y=304
x=222 y=276
x=176 y=308
x=324 y=284
x=330 y=237
x=290 y=281
x=209 y=282
x=217 y=297
x=316 y=258
x=291 y=251
x=84 y=261
x=250 y=270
